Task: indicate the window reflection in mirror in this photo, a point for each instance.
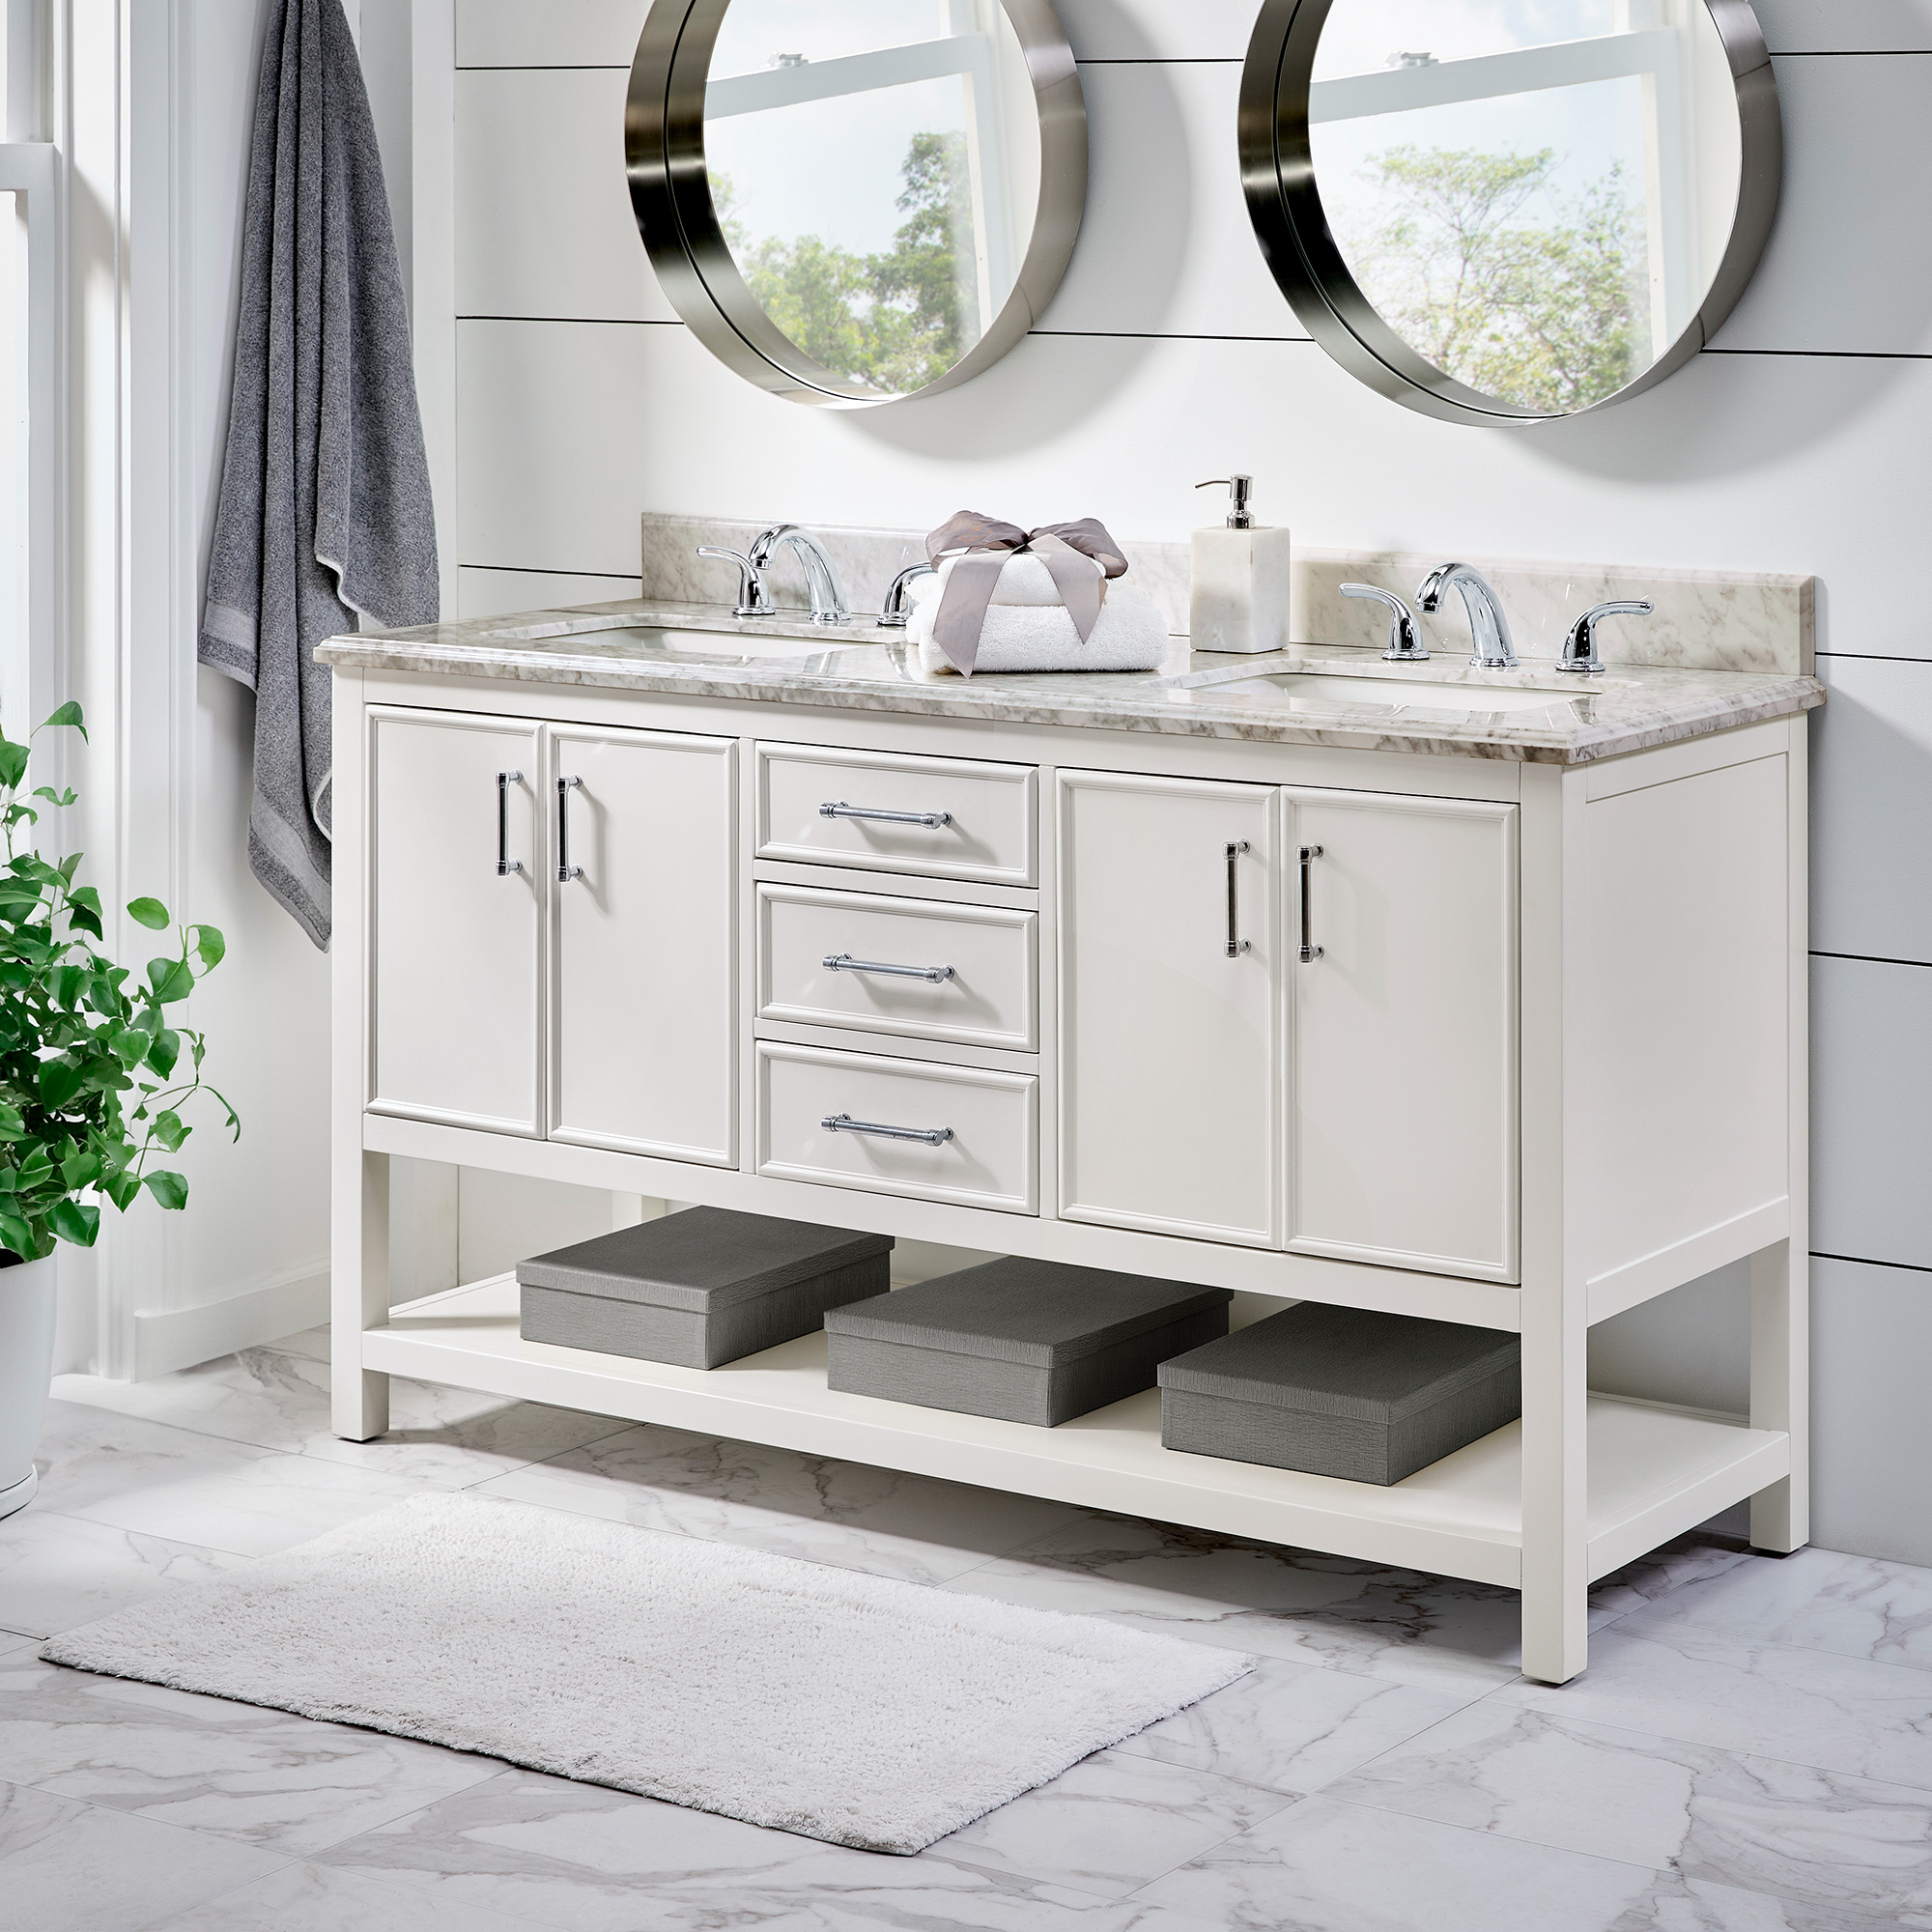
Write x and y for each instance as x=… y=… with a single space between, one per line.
x=874 y=165
x=1534 y=194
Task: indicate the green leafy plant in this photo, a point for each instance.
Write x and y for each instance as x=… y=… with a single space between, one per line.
x=88 y=1059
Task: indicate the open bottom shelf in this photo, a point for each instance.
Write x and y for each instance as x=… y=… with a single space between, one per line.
x=1654 y=1473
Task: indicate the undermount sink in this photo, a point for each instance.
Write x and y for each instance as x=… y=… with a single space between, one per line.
x=1320 y=690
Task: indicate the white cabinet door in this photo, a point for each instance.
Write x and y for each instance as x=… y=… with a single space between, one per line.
x=643 y=1010
x=454 y=900
x=1170 y=1063
x=1402 y=1134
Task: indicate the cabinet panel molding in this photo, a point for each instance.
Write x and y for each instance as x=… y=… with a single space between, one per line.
x=1404 y=1102
x=456 y=980
x=1169 y=1025
x=643 y=1017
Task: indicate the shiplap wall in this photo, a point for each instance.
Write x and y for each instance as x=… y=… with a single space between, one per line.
x=1799 y=441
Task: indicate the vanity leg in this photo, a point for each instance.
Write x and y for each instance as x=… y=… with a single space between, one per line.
x=1555 y=1491
x=359 y=1291
x=1780 y=1277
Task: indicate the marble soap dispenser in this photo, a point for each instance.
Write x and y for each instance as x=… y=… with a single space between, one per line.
x=1239 y=598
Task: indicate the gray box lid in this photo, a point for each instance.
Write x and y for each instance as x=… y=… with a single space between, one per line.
x=1037 y=1314
x=1350 y=1362
x=701 y=1259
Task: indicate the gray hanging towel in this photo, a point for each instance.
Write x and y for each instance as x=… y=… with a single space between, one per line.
x=324 y=507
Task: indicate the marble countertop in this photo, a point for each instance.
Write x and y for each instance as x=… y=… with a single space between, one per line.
x=704 y=651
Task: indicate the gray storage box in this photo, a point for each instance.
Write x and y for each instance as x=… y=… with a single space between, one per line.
x=699 y=1288
x=1020 y=1340
x=1342 y=1392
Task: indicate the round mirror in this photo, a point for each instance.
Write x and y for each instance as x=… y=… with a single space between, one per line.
x=1511 y=210
x=855 y=200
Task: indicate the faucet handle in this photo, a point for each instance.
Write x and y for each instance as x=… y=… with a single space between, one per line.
x=893 y=616
x=1403 y=645
x=753 y=599
x=1579 y=647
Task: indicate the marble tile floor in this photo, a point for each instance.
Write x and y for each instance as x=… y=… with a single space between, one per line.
x=1750 y=1750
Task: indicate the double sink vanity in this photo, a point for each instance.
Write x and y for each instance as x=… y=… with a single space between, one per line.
x=1450 y=991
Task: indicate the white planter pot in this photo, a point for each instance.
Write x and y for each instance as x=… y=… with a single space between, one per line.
x=26 y=1366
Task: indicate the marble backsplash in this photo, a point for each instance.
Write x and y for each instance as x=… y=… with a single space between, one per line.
x=1705 y=619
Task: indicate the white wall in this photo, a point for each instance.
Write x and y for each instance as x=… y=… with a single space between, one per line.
x=1795 y=444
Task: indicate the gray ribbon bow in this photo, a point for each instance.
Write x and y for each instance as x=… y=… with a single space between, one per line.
x=981 y=547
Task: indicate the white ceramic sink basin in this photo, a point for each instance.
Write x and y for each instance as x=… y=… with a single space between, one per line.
x=1318 y=690
x=748 y=644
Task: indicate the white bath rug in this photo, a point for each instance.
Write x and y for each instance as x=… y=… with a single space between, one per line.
x=870 y=1713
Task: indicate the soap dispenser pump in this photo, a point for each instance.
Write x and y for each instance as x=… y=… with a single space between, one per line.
x=1239 y=596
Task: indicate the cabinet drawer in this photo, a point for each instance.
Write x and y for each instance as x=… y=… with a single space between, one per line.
x=988 y=1159
x=947 y=818
x=958 y=972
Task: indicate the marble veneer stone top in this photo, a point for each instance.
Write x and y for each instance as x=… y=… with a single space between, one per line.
x=1705 y=619
x=704 y=651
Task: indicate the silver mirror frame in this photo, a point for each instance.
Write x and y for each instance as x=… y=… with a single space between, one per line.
x=671 y=193
x=1285 y=205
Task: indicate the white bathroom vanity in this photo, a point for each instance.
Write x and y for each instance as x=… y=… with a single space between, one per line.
x=1478 y=996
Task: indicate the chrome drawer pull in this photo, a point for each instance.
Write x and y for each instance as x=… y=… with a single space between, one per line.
x=844 y=1124
x=1309 y=855
x=565 y=870
x=1237 y=945
x=840 y=810
x=505 y=864
x=843 y=962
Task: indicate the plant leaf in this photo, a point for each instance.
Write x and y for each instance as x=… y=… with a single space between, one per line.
x=82 y=1167
x=170 y=978
x=163 y=1051
x=151 y=913
x=210 y=944
x=170 y=1129
x=11 y=1126
x=60 y=1081
x=120 y=1188
x=18 y=1236
x=75 y=1223
x=13 y=763
x=69 y=714
x=168 y=1187
x=131 y=1047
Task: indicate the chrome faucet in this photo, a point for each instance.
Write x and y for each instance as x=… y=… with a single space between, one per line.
x=821 y=574
x=1403 y=645
x=1495 y=650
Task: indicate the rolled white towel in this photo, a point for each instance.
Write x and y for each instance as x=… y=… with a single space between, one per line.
x=1026 y=580
x=1131 y=634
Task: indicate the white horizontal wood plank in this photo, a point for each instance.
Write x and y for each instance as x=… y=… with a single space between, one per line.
x=1871 y=1130
x=567 y=33
x=551 y=33
x=1845 y=26
x=498 y=593
x=1175 y=30
x=1871 y=803
x=1854 y=168
x=544 y=225
x=1871 y=1426
x=1740 y=462
x=1167 y=246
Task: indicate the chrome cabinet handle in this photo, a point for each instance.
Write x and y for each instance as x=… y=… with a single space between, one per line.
x=844 y=1124
x=1309 y=855
x=838 y=809
x=843 y=962
x=1237 y=945
x=565 y=870
x=505 y=864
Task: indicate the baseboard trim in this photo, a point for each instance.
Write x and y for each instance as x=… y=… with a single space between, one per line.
x=180 y=1338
